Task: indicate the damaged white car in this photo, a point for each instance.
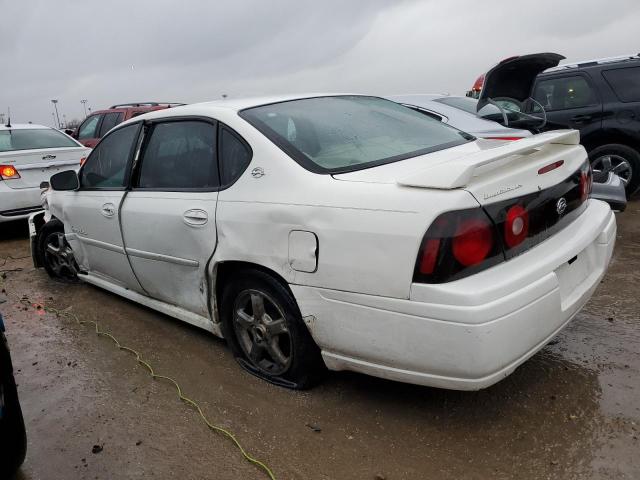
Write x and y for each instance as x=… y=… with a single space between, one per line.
x=337 y=231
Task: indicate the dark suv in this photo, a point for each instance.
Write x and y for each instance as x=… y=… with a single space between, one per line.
x=96 y=125
x=601 y=98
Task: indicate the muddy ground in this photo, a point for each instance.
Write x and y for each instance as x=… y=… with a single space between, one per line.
x=572 y=411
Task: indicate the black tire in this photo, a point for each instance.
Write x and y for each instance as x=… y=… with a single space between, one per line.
x=628 y=154
x=13 y=436
x=49 y=232
x=304 y=366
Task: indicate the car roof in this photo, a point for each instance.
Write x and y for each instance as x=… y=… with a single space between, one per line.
x=24 y=126
x=594 y=63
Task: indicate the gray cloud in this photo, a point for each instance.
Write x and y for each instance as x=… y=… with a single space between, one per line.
x=116 y=51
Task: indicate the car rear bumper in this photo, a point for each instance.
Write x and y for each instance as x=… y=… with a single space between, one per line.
x=17 y=204
x=471 y=333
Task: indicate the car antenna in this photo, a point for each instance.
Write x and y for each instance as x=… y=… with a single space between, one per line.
x=8 y=125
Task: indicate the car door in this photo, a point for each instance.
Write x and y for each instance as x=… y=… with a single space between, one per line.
x=570 y=101
x=88 y=130
x=91 y=215
x=169 y=216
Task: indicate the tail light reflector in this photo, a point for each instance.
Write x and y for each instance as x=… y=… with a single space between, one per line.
x=472 y=241
x=8 y=172
x=516 y=226
x=586 y=182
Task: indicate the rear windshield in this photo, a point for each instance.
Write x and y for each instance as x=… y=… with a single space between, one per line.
x=461 y=103
x=31 y=139
x=346 y=133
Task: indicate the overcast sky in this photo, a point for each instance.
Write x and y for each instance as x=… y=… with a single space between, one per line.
x=187 y=51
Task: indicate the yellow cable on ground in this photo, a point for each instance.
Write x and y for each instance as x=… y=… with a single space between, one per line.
x=185 y=399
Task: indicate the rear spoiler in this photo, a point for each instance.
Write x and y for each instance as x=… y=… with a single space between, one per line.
x=458 y=172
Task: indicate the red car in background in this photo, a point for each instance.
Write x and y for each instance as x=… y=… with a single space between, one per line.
x=96 y=125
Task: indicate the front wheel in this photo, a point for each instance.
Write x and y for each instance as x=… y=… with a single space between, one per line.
x=55 y=252
x=619 y=159
x=263 y=326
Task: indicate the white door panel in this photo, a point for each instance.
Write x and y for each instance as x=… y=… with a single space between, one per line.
x=170 y=237
x=91 y=221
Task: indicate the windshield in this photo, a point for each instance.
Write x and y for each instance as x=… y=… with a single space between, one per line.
x=32 y=138
x=346 y=133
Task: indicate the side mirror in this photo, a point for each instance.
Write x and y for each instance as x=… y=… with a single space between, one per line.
x=67 y=180
x=44 y=185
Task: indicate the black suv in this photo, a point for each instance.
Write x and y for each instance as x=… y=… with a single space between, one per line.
x=601 y=98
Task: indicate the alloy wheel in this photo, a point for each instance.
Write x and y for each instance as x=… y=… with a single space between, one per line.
x=261 y=329
x=604 y=164
x=59 y=256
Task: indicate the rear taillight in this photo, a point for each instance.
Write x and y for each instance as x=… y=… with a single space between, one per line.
x=516 y=226
x=8 y=172
x=457 y=244
x=586 y=182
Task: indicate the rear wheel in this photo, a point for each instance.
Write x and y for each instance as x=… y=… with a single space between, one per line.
x=55 y=252
x=619 y=159
x=265 y=331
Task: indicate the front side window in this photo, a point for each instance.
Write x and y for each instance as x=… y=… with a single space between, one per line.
x=346 y=133
x=180 y=155
x=564 y=93
x=234 y=157
x=107 y=165
x=88 y=128
x=625 y=82
x=33 y=138
x=110 y=120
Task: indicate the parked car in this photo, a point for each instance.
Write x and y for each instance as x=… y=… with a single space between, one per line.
x=460 y=112
x=30 y=154
x=601 y=98
x=342 y=231
x=13 y=437
x=96 y=125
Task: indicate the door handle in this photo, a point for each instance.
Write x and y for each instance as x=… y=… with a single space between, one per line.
x=581 y=118
x=195 y=217
x=108 y=210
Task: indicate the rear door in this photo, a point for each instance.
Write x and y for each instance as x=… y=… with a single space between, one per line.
x=570 y=101
x=91 y=215
x=169 y=216
x=88 y=130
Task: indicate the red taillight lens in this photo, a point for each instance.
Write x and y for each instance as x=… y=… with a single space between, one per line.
x=516 y=226
x=586 y=182
x=8 y=172
x=429 y=256
x=472 y=242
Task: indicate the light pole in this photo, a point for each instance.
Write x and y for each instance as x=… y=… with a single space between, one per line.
x=55 y=106
x=84 y=104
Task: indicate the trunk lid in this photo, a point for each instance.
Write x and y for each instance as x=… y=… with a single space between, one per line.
x=514 y=77
x=36 y=166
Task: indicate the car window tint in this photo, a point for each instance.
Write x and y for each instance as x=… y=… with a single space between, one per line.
x=625 y=82
x=235 y=156
x=180 y=155
x=88 y=127
x=110 y=121
x=107 y=164
x=564 y=93
x=31 y=139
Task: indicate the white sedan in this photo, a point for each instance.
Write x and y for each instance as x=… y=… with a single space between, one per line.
x=337 y=231
x=29 y=155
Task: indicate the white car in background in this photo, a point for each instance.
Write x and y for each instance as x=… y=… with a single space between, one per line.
x=29 y=155
x=342 y=231
x=460 y=112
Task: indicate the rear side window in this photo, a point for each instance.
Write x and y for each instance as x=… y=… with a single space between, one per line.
x=625 y=82
x=235 y=156
x=88 y=128
x=110 y=121
x=564 y=93
x=31 y=139
x=107 y=165
x=180 y=155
